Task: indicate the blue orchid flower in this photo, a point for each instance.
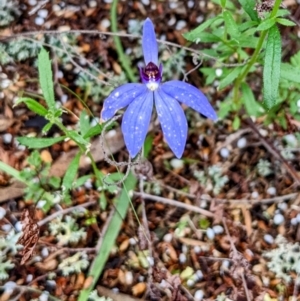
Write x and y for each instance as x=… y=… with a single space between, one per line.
x=140 y=97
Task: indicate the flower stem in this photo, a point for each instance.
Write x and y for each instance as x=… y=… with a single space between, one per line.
x=122 y=57
x=255 y=55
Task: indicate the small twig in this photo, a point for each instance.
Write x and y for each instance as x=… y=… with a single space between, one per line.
x=174 y=203
x=38 y=7
x=64 y=211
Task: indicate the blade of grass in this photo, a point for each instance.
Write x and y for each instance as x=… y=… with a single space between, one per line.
x=12 y=172
x=112 y=230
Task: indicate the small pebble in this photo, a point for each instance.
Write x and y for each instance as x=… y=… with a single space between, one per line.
x=29 y=278
x=210 y=233
x=271 y=190
x=177 y=163
x=190 y=3
x=5 y=83
x=298 y=217
x=225 y=265
x=41 y=203
x=92 y=3
x=9 y=286
x=182 y=258
x=2 y=212
x=146 y=2
x=254 y=195
x=172 y=21
x=43 y=13
x=45 y=252
x=184 y=249
x=39 y=21
x=129 y=278
x=224 y=152
x=173 y=5
x=180 y=25
x=32 y=2
x=132 y=241
x=278 y=219
x=190 y=282
x=199 y=294
x=298 y=103
x=150 y=260
x=269 y=239
x=105 y=23
x=294 y=221
x=242 y=142
x=18 y=226
x=219 y=72
x=218 y=229
x=282 y=206
x=199 y=275
x=168 y=237
x=197 y=249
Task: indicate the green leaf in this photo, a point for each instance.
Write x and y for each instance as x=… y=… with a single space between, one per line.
x=231 y=25
x=248 y=6
x=13 y=172
x=71 y=173
x=236 y=123
x=84 y=122
x=32 y=105
x=223 y=3
x=266 y=24
x=46 y=80
x=47 y=128
x=94 y=131
x=33 y=142
x=77 y=137
x=272 y=62
x=290 y=73
x=194 y=34
x=81 y=181
x=227 y=80
x=285 y=22
x=252 y=107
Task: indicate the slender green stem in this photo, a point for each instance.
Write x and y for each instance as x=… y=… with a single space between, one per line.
x=122 y=57
x=83 y=150
x=254 y=56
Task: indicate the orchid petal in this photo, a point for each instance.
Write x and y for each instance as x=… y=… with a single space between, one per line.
x=173 y=121
x=149 y=43
x=136 y=121
x=120 y=98
x=190 y=96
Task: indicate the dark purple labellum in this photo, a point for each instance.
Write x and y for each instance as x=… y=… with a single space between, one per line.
x=150 y=74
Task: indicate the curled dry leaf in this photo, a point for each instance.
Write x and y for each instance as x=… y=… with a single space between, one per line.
x=30 y=235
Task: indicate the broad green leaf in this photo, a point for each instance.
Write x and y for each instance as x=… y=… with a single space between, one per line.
x=71 y=173
x=248 y=6
x=272 y=62
x=231 y=25
x=252 y=107
x=33 y=142
x=33 y=105
x=285 y=22
x=290 y=73
x=45 y=76
x=194 y=34
x=227 y=80
x=84 y=122
x=266 y=24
